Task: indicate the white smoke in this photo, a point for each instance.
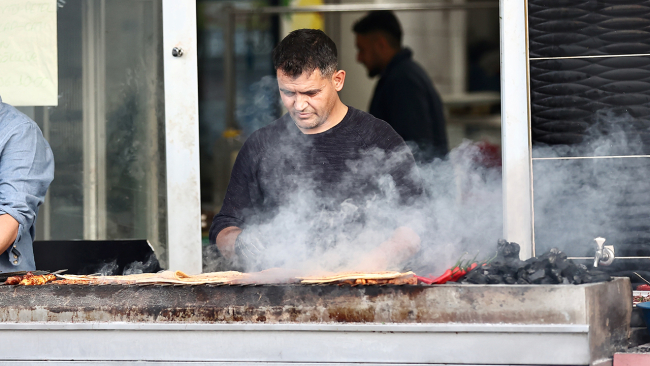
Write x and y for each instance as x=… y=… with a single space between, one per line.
x=594 y=188
x=461 y=212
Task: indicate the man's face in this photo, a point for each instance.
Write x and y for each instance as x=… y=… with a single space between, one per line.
x=309 y=98
x=368 y=53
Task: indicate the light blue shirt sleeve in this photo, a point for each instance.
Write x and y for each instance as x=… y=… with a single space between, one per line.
x=26 y=171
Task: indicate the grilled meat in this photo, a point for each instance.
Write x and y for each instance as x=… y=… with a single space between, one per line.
x=37 y=280
x=15 y=280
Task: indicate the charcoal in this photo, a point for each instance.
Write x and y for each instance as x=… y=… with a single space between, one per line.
x=476 y=277
x=552 y=267
x=595 y=272
x=494 y=279
x=563 y=265
x=571 y=271
x=545 y=257
x=539 y=265
x=555 y=274
x=596 y=276
x=601 y=278
x=548 y=281
x=515 y=263
x=521 y=272
x=529 y=262
x=510 y=269
x=537 y=276
x=497 y=264
x=507 y=250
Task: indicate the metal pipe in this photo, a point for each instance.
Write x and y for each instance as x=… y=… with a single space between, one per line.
x=344 y=8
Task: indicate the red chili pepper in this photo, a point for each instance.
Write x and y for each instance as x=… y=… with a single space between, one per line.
x=449 y=274
x=428 y=281
x=458 y=274
x=474 y=265
x=444 y=278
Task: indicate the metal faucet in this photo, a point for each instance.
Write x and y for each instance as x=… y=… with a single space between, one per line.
x=604 y=254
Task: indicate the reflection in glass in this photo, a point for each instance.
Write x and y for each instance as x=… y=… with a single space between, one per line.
x=107 y=133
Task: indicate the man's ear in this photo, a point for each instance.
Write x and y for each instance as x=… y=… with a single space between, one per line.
x=338 y=79
x=382 y=43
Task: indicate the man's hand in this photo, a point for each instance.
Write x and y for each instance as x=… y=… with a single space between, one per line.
x=8 y=231
x=248 y=248
x=226 y=241
x=239 y=246
x=402 y=245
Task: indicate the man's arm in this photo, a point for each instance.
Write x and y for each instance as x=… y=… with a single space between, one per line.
x=230 y=220
x=26 y=171
x=8 y=231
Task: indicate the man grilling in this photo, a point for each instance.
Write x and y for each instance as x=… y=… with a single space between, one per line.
x=404 y=95
x=314 y=155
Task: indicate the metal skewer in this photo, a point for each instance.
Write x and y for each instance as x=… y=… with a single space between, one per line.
x=644 y=280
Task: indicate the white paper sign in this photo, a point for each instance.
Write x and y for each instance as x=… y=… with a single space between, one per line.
x=28 y=52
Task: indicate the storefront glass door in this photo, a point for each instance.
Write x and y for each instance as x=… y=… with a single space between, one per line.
x=108 y=131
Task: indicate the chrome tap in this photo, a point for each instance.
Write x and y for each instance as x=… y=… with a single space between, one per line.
x=604 y=254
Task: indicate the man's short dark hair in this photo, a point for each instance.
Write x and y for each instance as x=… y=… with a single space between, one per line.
x=305 y=50
x=383 y=21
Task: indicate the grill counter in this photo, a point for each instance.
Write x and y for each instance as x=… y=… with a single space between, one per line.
x=288 y=324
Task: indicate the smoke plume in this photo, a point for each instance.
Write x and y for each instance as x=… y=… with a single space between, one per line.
x=575 y=200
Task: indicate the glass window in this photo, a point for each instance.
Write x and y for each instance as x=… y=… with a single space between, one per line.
x=108 y=130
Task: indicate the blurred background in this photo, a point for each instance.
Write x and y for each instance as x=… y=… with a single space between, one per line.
x=459 y=49
x=108 y=130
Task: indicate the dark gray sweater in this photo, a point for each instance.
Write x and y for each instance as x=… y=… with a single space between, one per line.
x=345 y=162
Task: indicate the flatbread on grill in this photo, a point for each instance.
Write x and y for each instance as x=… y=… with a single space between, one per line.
x=269 y=276
x=178 y=277
x=129 y=279
x=347 y=276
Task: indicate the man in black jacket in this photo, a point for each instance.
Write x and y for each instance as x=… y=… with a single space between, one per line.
x=320 y=150
x=404 y=96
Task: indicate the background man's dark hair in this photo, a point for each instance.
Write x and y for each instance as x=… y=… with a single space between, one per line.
x=383 y=21
x=305 y=50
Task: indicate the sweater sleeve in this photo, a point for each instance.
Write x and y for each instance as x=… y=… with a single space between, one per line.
x=238 y=201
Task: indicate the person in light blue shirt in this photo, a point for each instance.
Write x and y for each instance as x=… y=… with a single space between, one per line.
x=26 y=171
